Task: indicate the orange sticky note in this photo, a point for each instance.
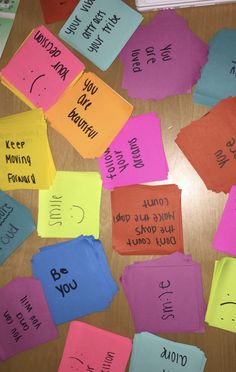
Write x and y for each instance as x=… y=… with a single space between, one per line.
x=89 y=348
x=210 y=145
x=147 y=220
x=89 y=115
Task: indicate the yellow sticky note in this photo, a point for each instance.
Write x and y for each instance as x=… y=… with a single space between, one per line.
x=25 y=155
x=221 y=311
x=71 y=206
x=89 y=115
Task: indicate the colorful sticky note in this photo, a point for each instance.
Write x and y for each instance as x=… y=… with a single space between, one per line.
x=25 y=156
x=7 y=16
x=221 y=311
x=163 y=58
x=219 y=73
x=25 y=319
x=147 y=219
x=136 y=155
x=165 y=295
x=82 y=115
x=71 y=206
x=93 y=349
x=152 y=353
x=210 y=145
x=75 y=277
x=225 y=236
x=41 y=79
x=16 y=224
x=99 y=29
x=57 y=10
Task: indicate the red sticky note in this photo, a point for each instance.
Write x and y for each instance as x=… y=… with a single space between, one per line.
x=147 y=219
x=89 y=348
x=57 y=10
x=210 y=145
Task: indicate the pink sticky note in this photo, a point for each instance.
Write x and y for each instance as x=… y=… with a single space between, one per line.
x=225 y=237
x=136 y=155
x=89 y=348
x=42 y=68
x=163 y=58
x=25 y=320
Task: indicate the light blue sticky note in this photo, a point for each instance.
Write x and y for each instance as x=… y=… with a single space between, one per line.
x=152 y=353
x=218 y=76
x=16 y=224
x=75 y=277
x=99 y=29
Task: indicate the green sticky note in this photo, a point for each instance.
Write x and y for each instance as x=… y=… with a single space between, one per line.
x=221 y=310
x=71 y=206
x=5 y=29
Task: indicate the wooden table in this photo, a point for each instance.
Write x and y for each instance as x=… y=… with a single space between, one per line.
x=201 y=208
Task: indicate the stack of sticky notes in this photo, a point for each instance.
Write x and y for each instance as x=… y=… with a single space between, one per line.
x=94 y=349
x=165 y=294
x=71 y=206
x=41 y=69
x=7 y=16
x=225 y=236
x=16 y=224
x=136 y=155
x=75 y=277
x=162 y=58
x=25 y=156
x=57 y=10
x=147 y=219
x=152 y=353
x=100 y=29
x=209 y=143
x=90 y=115
x=25 y=320
x=222 y=301
x=218 y=74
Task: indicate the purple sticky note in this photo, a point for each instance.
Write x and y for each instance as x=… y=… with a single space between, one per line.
x=25 y=320
x=163 y=58
x=163 y=297
x=225 y=237
x=136 y=155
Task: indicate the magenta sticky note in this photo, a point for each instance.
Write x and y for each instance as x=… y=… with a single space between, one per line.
x=89 y=348
x=25 y=320
x=165 y=296
x=41 y=69
x=136 y=155
x=225 y=236
x=163 y=58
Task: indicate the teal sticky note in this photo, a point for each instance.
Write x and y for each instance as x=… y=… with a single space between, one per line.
x=218 y=76
x=99 y=29
x=16 y=224
x=152 y=353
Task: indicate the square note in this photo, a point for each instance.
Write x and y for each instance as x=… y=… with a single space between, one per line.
x=94 y=349
x=57 y=10
x=25 y=320
x=99 y=29
x=41 y=69
x=147 y=219
x=136 y=155
x=71 y=206
x=16 y=224
x=90 y=115
x=25 y=156
x=75 y=277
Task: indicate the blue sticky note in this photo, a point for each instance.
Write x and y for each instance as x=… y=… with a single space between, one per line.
x=16 y=224
x=218 y=76
x=152 y=353
x=76 y=278
x=99 y=29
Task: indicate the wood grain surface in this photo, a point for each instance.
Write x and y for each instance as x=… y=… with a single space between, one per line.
x=201 y=208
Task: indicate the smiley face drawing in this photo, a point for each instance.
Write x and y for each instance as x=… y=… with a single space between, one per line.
x=36 y=87
x=77 y=213
x=228 y=310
